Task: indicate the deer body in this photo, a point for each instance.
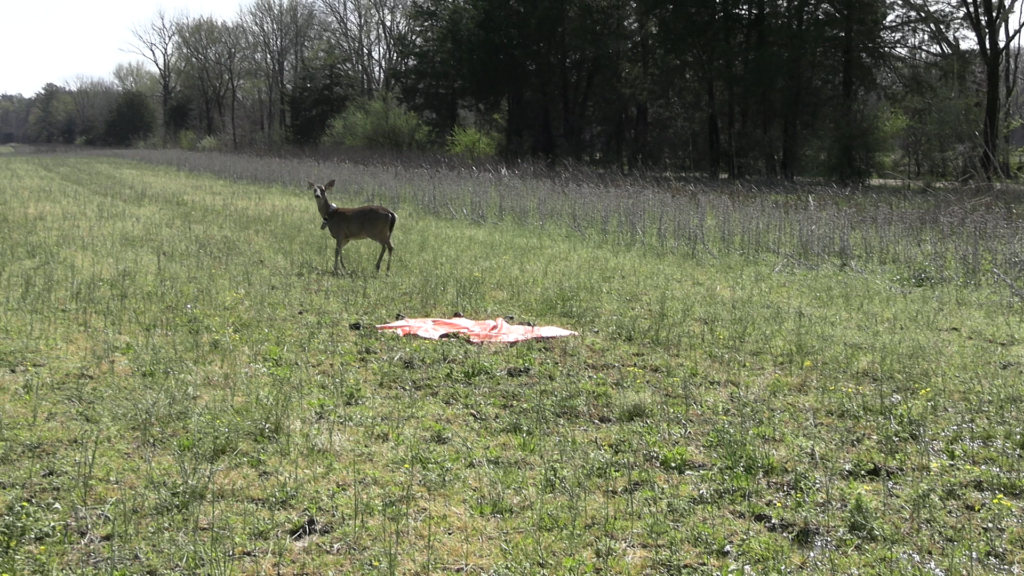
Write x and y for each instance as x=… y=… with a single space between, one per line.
x=345 y=224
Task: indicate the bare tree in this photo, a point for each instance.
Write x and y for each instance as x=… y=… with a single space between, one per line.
x=135 y=76
x=366 y=32
x=156 y=43
x=93 y=98
x=277 y=32
x=990 y=22
x=202 y=41
x=993 y=30
x=1011 y=77
x=231 y=62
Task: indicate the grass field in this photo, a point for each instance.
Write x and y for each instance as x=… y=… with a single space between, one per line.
x=181 y=391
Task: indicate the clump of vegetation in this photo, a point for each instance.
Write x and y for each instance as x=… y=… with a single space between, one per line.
x=209 y=144
x=381 y=123
x=187 y=140
x=470 y=142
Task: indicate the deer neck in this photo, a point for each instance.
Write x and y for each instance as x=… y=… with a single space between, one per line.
x=327 y=209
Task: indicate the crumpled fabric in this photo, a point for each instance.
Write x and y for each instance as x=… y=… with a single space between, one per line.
x=476 y=330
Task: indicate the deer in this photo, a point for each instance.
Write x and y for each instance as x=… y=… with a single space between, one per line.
x=373 y=222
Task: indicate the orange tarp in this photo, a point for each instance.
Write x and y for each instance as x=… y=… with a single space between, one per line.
x=477 y=330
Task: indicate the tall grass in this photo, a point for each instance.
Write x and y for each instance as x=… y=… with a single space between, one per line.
x=941 y=235
x=181 y=391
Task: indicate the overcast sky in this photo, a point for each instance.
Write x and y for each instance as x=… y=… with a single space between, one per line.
x=57 y=40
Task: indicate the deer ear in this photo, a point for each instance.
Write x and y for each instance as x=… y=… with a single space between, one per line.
x=329 y=185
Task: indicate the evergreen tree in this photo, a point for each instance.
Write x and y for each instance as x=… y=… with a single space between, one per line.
x=132 y=119
x=320 y=93
x=52 y=118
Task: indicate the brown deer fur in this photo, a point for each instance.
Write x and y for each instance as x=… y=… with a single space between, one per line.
x=373 y=222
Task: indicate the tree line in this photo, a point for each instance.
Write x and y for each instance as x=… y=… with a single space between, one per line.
x=841 y=89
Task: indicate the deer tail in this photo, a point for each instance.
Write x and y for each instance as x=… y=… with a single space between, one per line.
x=391 y=224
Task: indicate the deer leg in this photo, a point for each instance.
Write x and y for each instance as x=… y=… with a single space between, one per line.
x=391 y=249
x=383 y=247
x=337 y=255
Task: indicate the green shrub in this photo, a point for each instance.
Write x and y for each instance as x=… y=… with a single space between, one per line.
x=187 y=140
x=208 y=144
x=472 y=143
x=381 y=123
x=152 y=142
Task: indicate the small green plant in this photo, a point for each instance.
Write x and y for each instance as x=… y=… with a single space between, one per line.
x=209 y=144
x=676 y=459
x=439 y=433
x=861 y=518
x=635 y=408
x=472 y=143
x=187 y=140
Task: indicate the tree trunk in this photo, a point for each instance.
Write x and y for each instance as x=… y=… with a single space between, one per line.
x=794 y=92
x=764 y=99
x=641 y=129
x=790 y=134
x=516 y=122
x=990 y=134
x=234 y=127
x=714 y=137
x=547 y=137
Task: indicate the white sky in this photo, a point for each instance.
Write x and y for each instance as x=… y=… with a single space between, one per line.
x=58 y=40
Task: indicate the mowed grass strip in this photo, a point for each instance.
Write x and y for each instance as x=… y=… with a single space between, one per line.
x=181 y=392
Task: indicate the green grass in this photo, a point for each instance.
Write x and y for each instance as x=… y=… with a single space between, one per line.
x=180 y=392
